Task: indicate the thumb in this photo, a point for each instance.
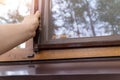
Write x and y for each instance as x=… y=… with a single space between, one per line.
x=37 y=14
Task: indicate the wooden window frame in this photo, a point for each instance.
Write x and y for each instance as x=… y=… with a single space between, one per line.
x=105 y=47
x=89 y=48
x=42 y=35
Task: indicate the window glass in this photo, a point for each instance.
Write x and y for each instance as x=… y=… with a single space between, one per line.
x=84 y=18
x=13 y=11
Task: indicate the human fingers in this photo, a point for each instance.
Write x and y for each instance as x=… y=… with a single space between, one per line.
x=37 y=14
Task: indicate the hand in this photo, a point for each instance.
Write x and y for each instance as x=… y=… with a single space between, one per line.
x=32 y=22
x=18 y=33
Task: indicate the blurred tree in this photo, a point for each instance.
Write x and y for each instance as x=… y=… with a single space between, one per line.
x=14 y=16
x=109 y=12
x=74 y=15
x=85 y=18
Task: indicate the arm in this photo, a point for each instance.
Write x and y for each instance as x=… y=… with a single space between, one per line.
x=12 y=35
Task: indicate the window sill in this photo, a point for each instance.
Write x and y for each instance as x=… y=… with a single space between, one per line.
x=54 y=69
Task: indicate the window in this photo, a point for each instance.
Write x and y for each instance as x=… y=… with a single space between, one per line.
x=74 y=29
x=78 y=23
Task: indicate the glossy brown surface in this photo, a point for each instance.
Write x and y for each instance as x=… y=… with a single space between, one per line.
x=55 y=69
x=69 y=77
x=61 y=70
x=84 y=77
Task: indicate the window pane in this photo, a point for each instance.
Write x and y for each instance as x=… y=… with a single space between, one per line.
x=13 y=11
x=84 y=18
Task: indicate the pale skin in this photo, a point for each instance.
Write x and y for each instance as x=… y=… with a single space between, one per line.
x=12 y=35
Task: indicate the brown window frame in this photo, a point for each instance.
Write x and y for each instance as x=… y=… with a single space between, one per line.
x=82 y=48
x=42 y=35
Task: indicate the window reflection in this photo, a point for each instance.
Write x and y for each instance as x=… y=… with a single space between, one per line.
x=84 y=18
x=11 y=73
x=17 y=72
x=13 y=11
